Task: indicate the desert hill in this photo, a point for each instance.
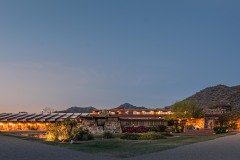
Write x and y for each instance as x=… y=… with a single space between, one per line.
x=217 y=95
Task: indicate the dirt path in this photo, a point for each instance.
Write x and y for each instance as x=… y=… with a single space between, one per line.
x=225 y=148
x=12 y=148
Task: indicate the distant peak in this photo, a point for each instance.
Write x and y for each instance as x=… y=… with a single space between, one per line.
x=129 y=106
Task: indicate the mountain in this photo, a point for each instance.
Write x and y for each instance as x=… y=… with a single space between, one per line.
x=129 y=106
x=78 y=110
x=217 y=95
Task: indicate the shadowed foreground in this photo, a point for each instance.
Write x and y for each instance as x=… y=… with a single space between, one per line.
x=12 y=148
x=218 y=149
x=225 y=148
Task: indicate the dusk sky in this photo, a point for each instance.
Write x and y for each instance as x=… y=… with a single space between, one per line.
x=103 y=53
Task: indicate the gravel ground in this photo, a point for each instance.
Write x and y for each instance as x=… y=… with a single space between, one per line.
x=12 y=148
x=225 y=148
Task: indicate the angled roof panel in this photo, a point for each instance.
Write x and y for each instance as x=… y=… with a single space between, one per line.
x=53 y=119
x=2 y=114
x=42 y=119
x=4 y=118
x=17 y=119
x=19 y=115
x=40 y=116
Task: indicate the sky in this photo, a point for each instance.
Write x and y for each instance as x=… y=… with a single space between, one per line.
x=152 y=53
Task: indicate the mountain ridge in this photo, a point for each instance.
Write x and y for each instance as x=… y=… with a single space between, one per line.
x=217 y=95
x=129 y=106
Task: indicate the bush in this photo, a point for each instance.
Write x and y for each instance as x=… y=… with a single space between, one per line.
x=90 y=137
x=50 y=136
x=219 y=130
x=160 y=128
x=66 y=131
x=76 y=133
x=233 y=125
x=167 y=134
x=130 y=136
x=32 y=128
x=142 y=136
x=150 y=136
x=140 y=129
x=107 y=135
x=178 y=128
x=85 y=135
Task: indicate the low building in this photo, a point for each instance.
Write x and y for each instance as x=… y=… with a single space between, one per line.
x=34 y=121
x=115 y=119
x=212 y=115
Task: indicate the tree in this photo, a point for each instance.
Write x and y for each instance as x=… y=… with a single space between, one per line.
x=227 y=118
x=48 y=110
x=61 y=131
x=181 y=112
x=184 y=110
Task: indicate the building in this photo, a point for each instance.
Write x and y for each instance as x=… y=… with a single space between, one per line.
x=211 y=115
x=107 y=119
x=115 y=119
x=96 y=122
x=34 y=121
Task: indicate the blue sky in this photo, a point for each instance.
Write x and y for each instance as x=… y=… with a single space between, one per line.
x=63 y=53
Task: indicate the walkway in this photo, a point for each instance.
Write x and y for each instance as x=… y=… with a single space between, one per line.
x=225 y=148
x=12 y=148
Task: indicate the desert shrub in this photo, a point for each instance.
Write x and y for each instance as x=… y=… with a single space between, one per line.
x=142 y=136
x=167 y=134
x=85 y=135
x=219 y=130
x=159 y=128
x=90 y=137
x=51 y=134
x=66 y=131
x=178 y=128
x=233 y=125
x=76 y=133
x=140 y=129
x=130 y=136
x=32 y=128
x=150 y=136
x=107 y=135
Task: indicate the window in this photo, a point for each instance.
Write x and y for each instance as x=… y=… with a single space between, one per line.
x=150 y=123
x=162 y=122
x=141 y=123
x=147 y=113
x=9 y=126
x=135 y=123
x=112 y=113
x=128 y=123
x=135 y=112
